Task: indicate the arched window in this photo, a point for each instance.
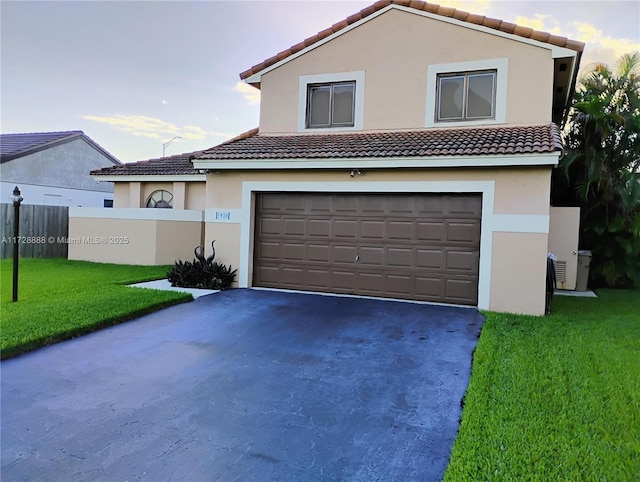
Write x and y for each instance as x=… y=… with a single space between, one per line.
x=160 y=199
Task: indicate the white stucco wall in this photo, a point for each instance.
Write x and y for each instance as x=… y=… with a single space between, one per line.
x=55 y=196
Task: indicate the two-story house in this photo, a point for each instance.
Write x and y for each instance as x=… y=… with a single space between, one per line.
x=405 y=152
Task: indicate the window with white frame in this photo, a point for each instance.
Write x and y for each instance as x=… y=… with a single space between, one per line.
x=467 y=93
x=331 y=101
x=466 y=96
x=331 y=104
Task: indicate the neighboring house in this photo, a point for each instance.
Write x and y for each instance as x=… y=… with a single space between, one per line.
x=405 y=152
x=52 y=168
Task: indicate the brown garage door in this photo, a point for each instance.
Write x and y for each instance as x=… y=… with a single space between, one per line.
x=412 y=246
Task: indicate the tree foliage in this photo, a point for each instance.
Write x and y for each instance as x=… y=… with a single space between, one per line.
x=600 y=171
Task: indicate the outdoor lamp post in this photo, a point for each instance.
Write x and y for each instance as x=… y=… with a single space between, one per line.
x=16 y=198
x=166 y=144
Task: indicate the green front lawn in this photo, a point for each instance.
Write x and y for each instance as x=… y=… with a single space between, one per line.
x=60 y=299
x=556 y=397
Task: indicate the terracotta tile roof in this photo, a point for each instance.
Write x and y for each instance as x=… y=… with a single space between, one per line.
x=419 y=143
x=493 y=23
x=178 y=164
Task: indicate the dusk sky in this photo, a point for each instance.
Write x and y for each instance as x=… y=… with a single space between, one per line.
x=134 y=74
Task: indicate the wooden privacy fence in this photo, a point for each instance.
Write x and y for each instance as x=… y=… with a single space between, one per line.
x=44 y=231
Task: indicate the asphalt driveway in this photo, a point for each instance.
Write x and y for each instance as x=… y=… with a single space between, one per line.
x=245 y=385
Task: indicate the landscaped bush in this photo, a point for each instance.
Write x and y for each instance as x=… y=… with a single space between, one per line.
x=203 y=273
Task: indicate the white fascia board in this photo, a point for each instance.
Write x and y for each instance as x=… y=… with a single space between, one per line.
x=151 y=178
x=547 y=159
x=141 y=214
x=555 y=50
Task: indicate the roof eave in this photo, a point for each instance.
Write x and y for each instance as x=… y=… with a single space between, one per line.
x=149 y=177
x=42 y=147
x=254 y=78
x=422 y=162
x=59 y=142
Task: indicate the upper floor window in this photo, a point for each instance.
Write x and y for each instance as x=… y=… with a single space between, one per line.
x=331 y=101
x=466 y=96
x=160 y=199
x=467 y=93
x=331 y=104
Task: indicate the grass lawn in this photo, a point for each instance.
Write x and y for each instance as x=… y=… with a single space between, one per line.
x=60 y=299
x=556 y=397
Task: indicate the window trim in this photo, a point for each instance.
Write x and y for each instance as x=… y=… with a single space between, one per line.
x=435 y=71
x=331 y=124
x=358 y=109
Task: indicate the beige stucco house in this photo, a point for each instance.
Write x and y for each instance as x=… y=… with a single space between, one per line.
x=405 y=152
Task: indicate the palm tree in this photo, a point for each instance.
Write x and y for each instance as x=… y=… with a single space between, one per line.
x=601 y=169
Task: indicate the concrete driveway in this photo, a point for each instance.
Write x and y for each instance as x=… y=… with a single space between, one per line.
x=245 y=385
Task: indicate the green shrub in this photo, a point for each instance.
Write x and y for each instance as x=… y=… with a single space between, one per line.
x=202 y=273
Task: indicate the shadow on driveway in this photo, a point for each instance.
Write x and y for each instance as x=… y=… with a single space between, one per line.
x=245 y=385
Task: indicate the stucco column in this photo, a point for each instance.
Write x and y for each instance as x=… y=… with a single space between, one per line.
x=179 y=195
x=135 y=195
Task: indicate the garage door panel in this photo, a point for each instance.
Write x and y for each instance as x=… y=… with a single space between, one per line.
x=372 y=205
x=344 y=280
x=400 y=206
x=268 y=274
x=271 y=203
x=372 y=229
x=345 y=228
x=463 y=232
x=318 y=252
x=430 y=258
x=429 y=287
x=431 y=231
x=463 y=206
x=293 y=251
x=400 y=230
x=371 y=256
x=412 y=246
x=427 y=206
x=270 y=250
x=400 y=257
x=319 y=227
x=399 y=285
x=320 y=205
x=294 y=227
x=271 y=226
x=344 y=254
x=463 y=261
x=318 y=278
x=293 y=276
x=461 y=290
x=344 y=204
x=371 y=283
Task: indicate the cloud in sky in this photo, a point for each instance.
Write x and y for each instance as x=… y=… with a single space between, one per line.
x=599 y=47
x=478 y=7
x=250 y=94
x=543 y=23
x=144 y=126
